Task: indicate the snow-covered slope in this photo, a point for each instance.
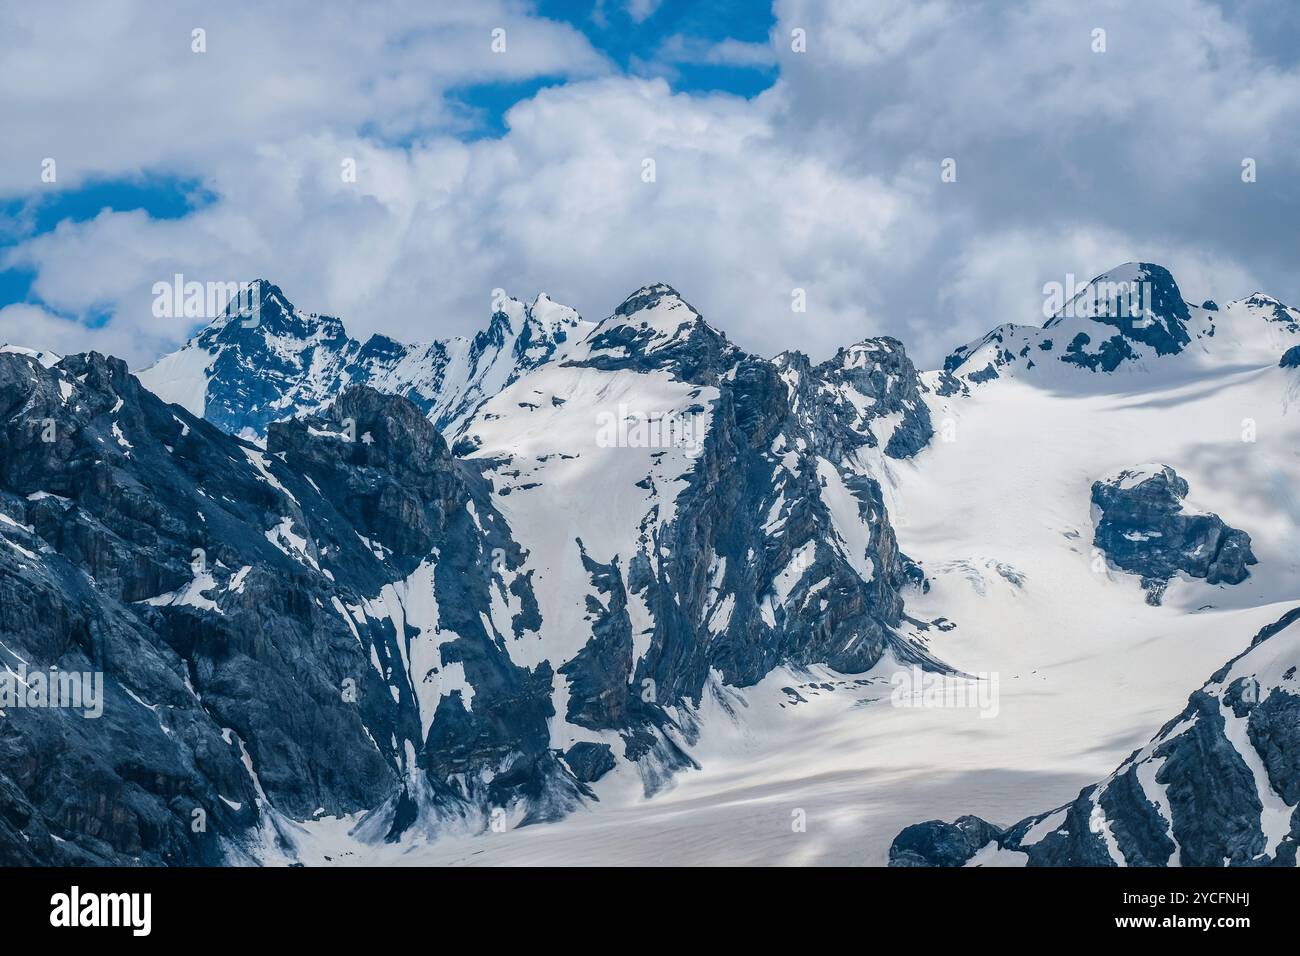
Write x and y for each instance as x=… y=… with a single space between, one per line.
x=684 y=526
x=996 y=508
x=248 y=369
x=47 y=359
x=1216 y=786
x=1067 y=666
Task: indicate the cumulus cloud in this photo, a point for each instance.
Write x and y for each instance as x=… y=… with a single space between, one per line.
x=21 y=323
x=567 y=202
x=1067 y=161
x=641 y=10
x=111 y=87
x=1138 y=145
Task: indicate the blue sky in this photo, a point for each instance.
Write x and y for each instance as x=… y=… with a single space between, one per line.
x=159 y=196
x=523 y=168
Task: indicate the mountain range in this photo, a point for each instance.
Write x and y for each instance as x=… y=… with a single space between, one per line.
x=358 y=600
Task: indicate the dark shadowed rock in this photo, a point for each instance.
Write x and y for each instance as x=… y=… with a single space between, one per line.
x=1142 y=529
x=240 y=605
x=589 y=762
x=936 y=843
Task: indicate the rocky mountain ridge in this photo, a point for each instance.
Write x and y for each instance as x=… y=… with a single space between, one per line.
x=343 y=618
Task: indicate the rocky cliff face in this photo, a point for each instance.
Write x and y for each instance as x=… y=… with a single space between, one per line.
x=746 y=533
x=254 y=366
x=867 y=388
x=134 y=548
x=346 y=618
x=352 y=622
x=1142 y=528
x=275 y=631
x=1219 y=785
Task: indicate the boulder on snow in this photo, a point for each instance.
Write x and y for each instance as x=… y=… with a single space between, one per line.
x=935 y=843
x=589 y=761
x=1143 y=529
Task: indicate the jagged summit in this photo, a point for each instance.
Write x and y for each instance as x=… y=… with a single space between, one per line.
x=1141 y=300
x=261 y=304
x=251 y=367
x=1271 y=310
x=655 y=328
x=255 y=365
x=650 y=297
x=660 y=311
x=1130 y=317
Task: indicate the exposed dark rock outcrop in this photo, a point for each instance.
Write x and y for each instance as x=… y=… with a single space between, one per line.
x=844 y=400
x=936 y=843
x=1143 y=529
x=589 y=761
x=256 y=618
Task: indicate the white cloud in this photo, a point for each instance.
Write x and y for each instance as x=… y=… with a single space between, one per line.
x=1068 y=161
x=678 y=49
x=733 y=218
x=21 y=323
x=113 y=87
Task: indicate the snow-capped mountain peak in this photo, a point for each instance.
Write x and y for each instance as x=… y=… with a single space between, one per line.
x=252 y=366
x=1271 y=310
x=655 y=328
x=658 y=315
x=554 y=317
x=1127 y=319
x=1139 y=299
x=266 y=357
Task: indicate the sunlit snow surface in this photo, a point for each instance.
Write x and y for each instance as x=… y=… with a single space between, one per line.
x=1000 y=520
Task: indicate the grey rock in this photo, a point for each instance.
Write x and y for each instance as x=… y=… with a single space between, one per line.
x=246 y=605
x=1142 y=529
x=589 y=761
x=935 y=843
